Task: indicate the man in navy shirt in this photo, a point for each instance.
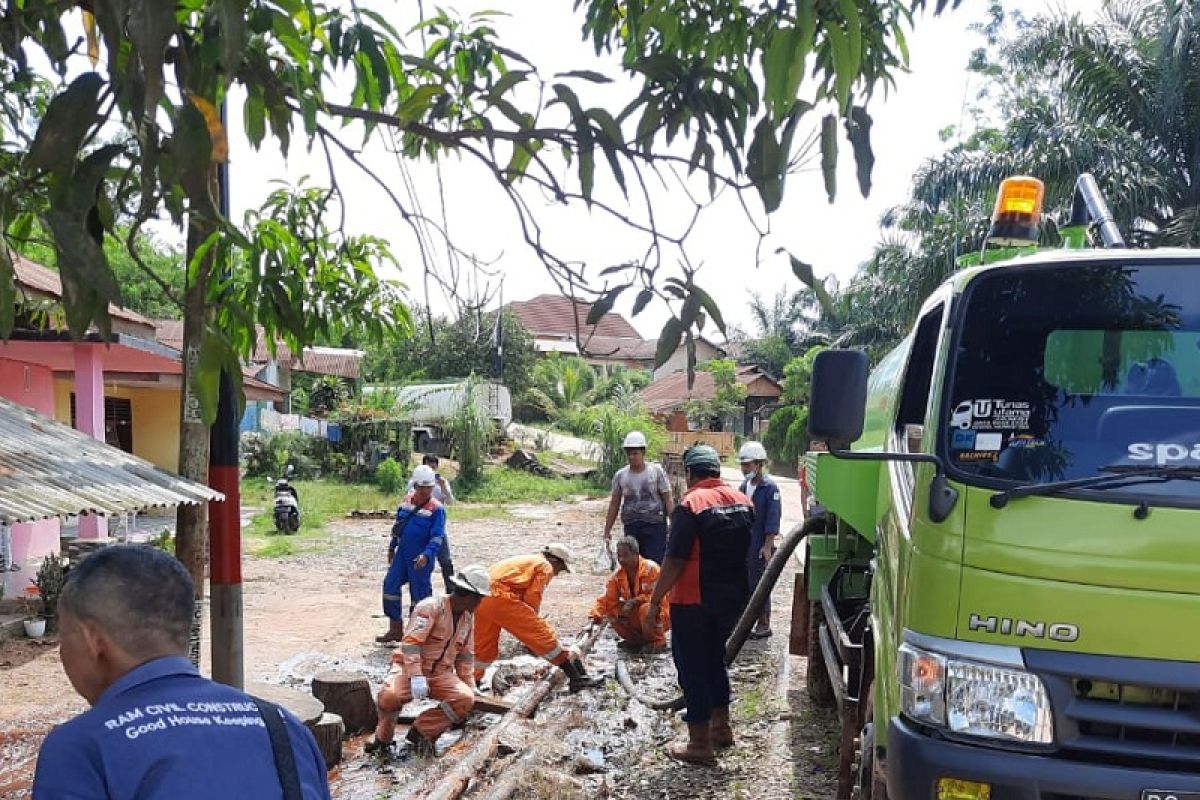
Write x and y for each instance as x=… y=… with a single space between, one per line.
x=768 y=511
x=157 y=729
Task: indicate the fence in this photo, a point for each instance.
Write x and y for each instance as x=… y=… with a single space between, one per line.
x=721 y=441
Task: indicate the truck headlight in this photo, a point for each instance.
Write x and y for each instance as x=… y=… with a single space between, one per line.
x=974 y=699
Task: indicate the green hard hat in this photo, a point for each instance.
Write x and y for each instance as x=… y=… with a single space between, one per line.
x=701 y=455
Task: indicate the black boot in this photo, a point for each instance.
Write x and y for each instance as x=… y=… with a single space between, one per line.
x=419 y=745
x=578 y=678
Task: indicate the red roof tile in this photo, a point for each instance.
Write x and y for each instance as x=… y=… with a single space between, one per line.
x=551 y=315
x=672 y=391
x=33 y=277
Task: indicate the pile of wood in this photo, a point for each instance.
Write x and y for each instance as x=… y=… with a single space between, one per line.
x=382 y=513
x=556 y=468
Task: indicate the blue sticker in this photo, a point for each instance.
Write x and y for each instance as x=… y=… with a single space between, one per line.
x=963 y=440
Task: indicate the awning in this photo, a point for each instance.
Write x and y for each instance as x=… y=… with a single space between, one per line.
x=48 y=469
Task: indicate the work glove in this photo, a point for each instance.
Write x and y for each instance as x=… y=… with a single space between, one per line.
x=420 y=687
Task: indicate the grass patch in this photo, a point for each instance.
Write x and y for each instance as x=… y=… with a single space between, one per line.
x=502 y=485
x=277 y=547
x=320 y=501
x=469 y=512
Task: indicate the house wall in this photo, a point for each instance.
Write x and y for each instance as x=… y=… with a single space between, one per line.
x=155 y=420
x=33 y=387
x=678 y=360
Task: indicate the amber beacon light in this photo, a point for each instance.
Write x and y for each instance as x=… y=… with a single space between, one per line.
x=1018 y=214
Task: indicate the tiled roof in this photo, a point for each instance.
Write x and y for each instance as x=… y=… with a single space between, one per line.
x=551 y=315
x=33 y=277
x=672 y=391
x=615 y=347
x=48 y=469
x=337 y=361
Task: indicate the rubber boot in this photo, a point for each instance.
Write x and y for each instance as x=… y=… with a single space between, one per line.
x=419 y=744
x=385 y=730
x=578 y=679
x=698 y=749
x=722 y=733
x=395 y=632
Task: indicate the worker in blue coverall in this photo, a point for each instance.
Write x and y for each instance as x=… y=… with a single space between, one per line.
x=157 y=727
x=417 y=536
x=768 y=513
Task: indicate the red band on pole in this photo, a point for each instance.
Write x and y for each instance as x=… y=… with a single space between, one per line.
x=225 y=542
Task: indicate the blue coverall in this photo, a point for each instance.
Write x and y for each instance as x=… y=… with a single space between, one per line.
x=768 y=514
x=417 y=531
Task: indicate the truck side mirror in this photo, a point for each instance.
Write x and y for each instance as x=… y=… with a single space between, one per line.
x=837 y=404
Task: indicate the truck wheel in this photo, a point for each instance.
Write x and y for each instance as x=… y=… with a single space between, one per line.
x=869 y=779
x=816 y=676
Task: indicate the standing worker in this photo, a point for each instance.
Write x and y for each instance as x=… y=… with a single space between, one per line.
x=641 y=494
x=157 y=728
x=626 y=600
x=768 y=512
x=710 y=533
x=436 y=660
x=444 y=495
x=417 y=536
x=517 y=585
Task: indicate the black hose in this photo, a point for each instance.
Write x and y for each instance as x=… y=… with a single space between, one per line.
x=741 y=631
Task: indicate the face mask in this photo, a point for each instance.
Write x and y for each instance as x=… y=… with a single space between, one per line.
x=750 y=473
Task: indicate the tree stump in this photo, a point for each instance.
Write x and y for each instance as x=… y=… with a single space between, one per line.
x=329 y=732
x=347 y=694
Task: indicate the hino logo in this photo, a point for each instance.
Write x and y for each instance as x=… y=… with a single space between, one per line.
x=1056 y=631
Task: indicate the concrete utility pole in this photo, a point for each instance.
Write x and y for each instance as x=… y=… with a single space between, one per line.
x=225 y=540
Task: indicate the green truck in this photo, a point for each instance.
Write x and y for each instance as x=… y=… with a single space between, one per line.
x=1001 y=589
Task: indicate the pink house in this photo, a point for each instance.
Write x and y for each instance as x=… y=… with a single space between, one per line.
x=125 y=392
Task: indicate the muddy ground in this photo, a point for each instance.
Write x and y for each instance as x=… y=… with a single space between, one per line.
x=319 y=609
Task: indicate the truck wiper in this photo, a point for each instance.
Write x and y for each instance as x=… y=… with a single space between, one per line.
x=1122 y=475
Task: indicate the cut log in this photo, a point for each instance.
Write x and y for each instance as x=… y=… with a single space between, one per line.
x=306 y=707
x=347 y=694
x=491 y=705
x=329 y=732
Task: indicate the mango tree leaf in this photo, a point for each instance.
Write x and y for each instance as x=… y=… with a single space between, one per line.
x=604 y=305
x=829 y=153
x=711 y=307
x=668 y=341
x=849 y=9
x=691 y=307
x=90 y=34
x=254 y=118
x=643 y=299
x=232 y=16
x=150 y=25
x=69 y=117
x=858 y=130
x=417 y=104
x=506 y=82
x=192 y=149
x=585 y=74
x=216 y=129
x=766 y=164
x=839 y=53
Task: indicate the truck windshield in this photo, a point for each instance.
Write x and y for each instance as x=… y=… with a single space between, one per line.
x=1064 y=371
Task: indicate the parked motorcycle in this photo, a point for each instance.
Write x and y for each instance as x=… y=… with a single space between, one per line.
x=287 y=505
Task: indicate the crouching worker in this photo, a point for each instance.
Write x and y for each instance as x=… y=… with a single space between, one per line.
x=517 y=587
x=626 y=601
x=436 y=659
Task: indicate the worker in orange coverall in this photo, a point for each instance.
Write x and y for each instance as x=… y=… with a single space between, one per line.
x=517 y=585
x=436 y=659
x=624 y=602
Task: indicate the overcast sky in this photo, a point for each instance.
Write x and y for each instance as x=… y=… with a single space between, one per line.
x=834 y=238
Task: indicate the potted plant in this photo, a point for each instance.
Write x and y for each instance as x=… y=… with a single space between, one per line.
x=34 y=622
x=49 y=583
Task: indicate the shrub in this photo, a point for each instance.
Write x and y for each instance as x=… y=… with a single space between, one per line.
x=469 y=433
x=390 y=476
x=268 y=455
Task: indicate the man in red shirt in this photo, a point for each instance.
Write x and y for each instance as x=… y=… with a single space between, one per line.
x=704 y=572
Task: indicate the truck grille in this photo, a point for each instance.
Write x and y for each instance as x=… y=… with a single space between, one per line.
x=1131 y=711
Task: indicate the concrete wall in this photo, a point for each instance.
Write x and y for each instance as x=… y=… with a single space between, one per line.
x=678 y=360
x=27 y=384
x=155 y=420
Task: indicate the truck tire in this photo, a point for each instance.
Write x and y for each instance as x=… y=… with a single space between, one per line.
x=816 y=677
x=869 y=778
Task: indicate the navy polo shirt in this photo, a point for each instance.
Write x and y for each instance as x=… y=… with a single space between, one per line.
x=163 y=731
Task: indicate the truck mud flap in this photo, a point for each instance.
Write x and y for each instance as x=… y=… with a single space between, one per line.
x=798 y=641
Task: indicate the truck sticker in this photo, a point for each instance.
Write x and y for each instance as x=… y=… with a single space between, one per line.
x=962 y=440
x=1163 y=453
x=991 y=415
x=978 y=455
x=989 y=441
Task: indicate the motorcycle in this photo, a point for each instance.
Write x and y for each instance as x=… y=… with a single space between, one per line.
x=287 y=505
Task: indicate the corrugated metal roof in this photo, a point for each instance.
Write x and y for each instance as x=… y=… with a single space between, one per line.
x=48 y=469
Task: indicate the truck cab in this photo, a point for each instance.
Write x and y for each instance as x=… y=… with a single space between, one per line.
x=1001 y=595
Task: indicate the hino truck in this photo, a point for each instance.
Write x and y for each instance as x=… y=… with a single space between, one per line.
x=1002 y=596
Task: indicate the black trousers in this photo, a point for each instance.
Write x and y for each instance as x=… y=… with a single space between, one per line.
x=698 y=634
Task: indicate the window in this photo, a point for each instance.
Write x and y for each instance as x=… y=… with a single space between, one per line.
x=118 y=422
x=918 y=377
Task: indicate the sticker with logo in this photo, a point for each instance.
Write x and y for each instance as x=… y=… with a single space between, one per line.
x=991 y=415
x=1163 y=453
x=962 y=440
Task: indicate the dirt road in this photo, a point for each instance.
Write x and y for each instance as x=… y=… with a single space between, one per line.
x=319 y=609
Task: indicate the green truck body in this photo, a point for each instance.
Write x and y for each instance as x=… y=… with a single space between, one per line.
x=1062 y=622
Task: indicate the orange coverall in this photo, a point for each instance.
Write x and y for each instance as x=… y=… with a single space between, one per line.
x=443 y=652
x=517 y=585
x=628 y=624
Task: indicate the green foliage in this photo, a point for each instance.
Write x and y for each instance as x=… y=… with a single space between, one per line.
x=321 y=501
x=269 y=454
x=51 y=576
x=567 y=380
x=505 y=486
x=608 y=424
x=327 y=394
x=729 y=395
x=438 y=349
x=786 y=437
x=470 y=432
x=391 y=477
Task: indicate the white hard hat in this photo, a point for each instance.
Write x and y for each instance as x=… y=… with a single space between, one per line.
x=561 y=552
x=634 y=439
x=752 y=451
x=424 y=476
x=473 y=579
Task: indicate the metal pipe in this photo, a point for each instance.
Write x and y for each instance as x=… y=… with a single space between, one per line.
x=1089 y=207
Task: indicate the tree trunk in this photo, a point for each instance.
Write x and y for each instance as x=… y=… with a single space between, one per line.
x=347 y=694
x=329 y=732
x=191 y=534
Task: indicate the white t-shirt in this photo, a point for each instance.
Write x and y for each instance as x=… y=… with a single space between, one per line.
x=641 y=493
